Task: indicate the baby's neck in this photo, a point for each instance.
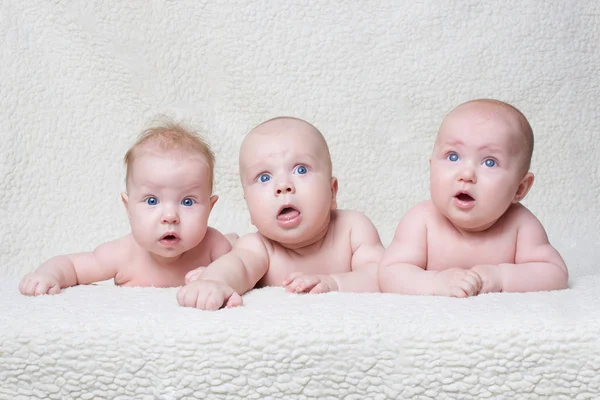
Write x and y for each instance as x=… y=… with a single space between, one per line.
x=475 y=231
x=164 y=261
x=309 y=246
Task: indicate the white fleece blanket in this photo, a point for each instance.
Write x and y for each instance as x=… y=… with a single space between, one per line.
x=109 y=342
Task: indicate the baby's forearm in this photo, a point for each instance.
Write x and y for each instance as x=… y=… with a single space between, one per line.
x=61 y=268
x=232 y=271
x=533 y=277
x=406 y=279
x=359 y=281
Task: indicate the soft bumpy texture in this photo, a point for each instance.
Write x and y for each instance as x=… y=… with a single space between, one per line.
x=114 y=342
x=80 y=79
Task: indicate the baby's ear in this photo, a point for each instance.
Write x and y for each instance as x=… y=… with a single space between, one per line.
x=334 y=190
x=125 y=200
x=524 y=186
x=213 y=200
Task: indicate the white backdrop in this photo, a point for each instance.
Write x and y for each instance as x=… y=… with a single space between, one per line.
x=79 y=80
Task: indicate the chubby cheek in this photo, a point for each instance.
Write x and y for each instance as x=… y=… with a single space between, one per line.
x=258 y=202
x=137 y=221
x=140 y=229
x=438 y=187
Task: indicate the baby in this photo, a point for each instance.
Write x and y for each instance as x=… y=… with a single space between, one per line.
x=303 y=242
x=474 y=236
x=169 y=197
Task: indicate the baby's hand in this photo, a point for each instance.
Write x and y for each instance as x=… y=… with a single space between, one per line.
x=301 y=283
x=490 y=276
x=208 y=295
x=35 y=284
x=194 y=274
x=457 y=282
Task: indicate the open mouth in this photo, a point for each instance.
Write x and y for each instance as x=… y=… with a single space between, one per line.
x=287 y=212
x=464 y=197
x=169 y=237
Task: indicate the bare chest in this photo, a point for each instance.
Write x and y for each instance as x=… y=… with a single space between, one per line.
x=143 y=271
x=447 y=248
x=331 y=258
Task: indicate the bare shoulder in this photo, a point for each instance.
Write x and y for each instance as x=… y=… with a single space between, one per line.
x=359 y=227
x=349 y=218
x=519 y=217
x=118 y=249
x=253 y=242
x=420 y=215
x=426 y=210
x=213 y=235
x=214 y=243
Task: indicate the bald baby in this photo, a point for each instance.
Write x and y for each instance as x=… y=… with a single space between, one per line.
x=303 y=241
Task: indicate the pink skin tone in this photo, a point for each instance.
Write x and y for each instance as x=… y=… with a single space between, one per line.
x=303 y=242
x=474 y=236
x=168 y=203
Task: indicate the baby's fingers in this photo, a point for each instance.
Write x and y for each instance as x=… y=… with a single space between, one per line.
x=458 y=291
x=303 y=284
x=322 y=287
x=24 y=285
x=291 y=277
x=234 y=300
x=42 y=288
x=213 y=301
x=27 y=287
x=187 y=296
x=469 y=288
x=55 y=289
x=194 y=274
x=473 y=281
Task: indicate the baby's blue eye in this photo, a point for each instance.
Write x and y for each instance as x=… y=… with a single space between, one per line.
x=301 y=170
x=490 y=163
x=453 y=157
x=187 y=202
x=152 y=201
x=264 y=178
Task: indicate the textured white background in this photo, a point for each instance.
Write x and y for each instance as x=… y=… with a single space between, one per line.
x=79 y=80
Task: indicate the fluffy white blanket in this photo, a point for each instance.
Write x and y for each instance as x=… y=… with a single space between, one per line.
x=103 y=341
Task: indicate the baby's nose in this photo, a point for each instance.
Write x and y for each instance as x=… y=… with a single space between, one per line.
x=285 y=187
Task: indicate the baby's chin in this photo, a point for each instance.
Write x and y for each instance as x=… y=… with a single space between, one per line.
x=166 y=254
x=471 y=225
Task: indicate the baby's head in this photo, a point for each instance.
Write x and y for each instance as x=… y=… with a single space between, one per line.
x=169 y=184
x=286 y=174
x=480 y=163
x=170 y=138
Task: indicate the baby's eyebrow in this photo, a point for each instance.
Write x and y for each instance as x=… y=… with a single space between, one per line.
x=491 y=149
x=456 y=142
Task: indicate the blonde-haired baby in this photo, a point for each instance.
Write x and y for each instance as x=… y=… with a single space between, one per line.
x=168 y=199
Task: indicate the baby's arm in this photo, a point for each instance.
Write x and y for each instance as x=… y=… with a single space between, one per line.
x=367 y=251
x=538 y=266
x=228 y=277
x=402 y=268
x=219 y=245
x=73 y=269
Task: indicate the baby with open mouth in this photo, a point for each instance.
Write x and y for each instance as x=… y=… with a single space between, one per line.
x=304 y=242
x=168 y=199
x=474 y=236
